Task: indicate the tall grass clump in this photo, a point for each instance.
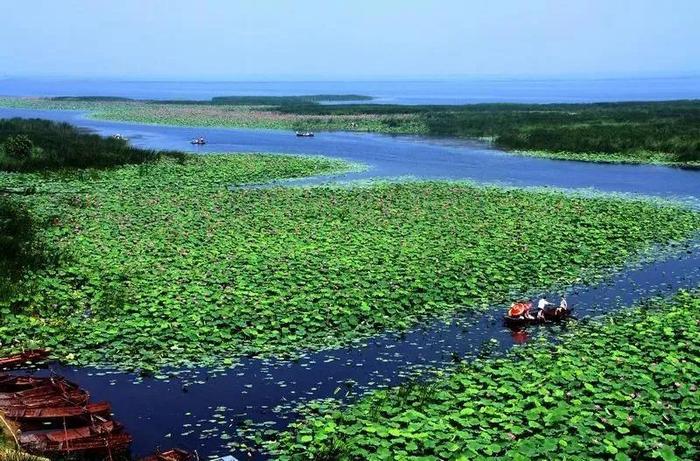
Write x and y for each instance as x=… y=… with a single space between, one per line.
x=630 y=128
x=21 y=249
x=35 y=145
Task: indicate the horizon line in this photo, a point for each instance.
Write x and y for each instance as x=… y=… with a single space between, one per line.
x=378 y=78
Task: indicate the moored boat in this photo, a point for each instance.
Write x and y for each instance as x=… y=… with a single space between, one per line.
x=66 y=435
x=47 y=413
x=12 y=383
x=31 y=355
x=175 y=454
x=30 y=392
x=51 y=416
x=77 y=397
x=107 y=442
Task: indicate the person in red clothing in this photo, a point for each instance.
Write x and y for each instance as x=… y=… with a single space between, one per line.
x=520 y=309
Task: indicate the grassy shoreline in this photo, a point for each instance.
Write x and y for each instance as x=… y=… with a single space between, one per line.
x=653 y=158
x=664 y=132
x=621 y=387
x=205 y=115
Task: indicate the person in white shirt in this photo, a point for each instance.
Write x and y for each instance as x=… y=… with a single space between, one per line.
x=563 y=305
x=542 y=305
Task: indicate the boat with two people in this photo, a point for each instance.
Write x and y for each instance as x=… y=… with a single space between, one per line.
x=200 y=141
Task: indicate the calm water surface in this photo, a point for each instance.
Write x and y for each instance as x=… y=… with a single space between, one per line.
x=204 y=410
x=449 y=91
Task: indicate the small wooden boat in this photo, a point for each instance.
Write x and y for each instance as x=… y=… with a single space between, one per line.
x=170 y=455
x=67 y=435
x=12 y=383
x=549 y=317
x=28 y=386
x=31 y=393
x=32 y=355
x=305 y=134
x=46 y=392
x=72 y=398
x=104 y=443
x=198 y=141
x=48 y=413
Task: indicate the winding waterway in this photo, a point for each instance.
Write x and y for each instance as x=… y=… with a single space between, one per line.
x=403 y=156
x=202 y=409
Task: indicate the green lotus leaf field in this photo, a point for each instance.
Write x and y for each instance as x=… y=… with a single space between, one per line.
x=163 y=264
x=619 y=388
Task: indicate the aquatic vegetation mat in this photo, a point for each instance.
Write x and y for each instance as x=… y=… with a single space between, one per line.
x=640 y=157
x=162 y=264
x=227 y=114
x=622 y=388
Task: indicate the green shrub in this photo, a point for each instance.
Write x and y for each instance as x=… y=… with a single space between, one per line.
x=62 y=146
x=21 y=249
x=18 y=147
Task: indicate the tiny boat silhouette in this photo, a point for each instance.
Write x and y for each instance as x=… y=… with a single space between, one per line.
x=199 y=141
x=305 y=134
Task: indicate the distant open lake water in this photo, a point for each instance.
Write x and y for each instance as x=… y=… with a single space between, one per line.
x=453 y=91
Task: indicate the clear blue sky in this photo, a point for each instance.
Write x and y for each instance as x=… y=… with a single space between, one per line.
x=272 y=39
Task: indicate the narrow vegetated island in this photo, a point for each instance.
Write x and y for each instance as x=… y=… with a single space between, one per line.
x=666 y=132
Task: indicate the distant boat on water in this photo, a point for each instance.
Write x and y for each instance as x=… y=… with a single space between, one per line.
x=305 y=134
x=199 y=141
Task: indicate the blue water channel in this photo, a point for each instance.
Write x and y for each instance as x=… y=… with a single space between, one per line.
x=404 y=156
x=203 y=409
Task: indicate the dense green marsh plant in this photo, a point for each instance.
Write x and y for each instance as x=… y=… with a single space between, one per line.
x=164 y=264
x=620 y=388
